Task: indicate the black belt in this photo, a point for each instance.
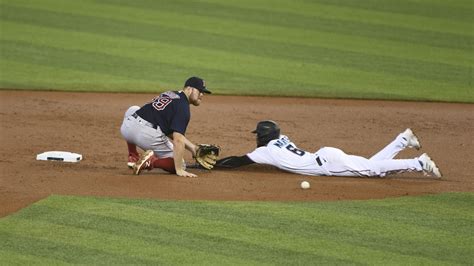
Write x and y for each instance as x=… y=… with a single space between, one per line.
x=319 y=161
x=146 y=123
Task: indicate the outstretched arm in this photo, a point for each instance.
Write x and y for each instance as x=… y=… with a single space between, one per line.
x=233 y=162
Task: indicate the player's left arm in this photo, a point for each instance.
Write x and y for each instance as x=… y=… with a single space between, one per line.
x=233 y=162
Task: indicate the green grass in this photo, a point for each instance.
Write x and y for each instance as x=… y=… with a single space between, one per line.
x=403 y=49
x=430 y=230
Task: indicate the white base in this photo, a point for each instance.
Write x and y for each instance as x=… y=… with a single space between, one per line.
x=61 y=156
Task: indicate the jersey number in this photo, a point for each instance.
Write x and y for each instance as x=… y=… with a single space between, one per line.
x=295 y=150
x=161 y=103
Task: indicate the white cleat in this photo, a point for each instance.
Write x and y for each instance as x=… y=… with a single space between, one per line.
x=130 y=165
x=132 y=160
x=144 y=162
x=412 y=140
x=429 y=166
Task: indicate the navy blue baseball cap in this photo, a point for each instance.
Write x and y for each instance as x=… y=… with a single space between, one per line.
x=197 y=83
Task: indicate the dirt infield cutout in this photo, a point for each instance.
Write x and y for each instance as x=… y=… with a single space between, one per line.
x=88 y=123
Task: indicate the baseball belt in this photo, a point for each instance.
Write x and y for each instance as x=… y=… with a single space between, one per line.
x=146 y=123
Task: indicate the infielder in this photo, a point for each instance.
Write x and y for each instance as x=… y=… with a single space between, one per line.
x=278 y=150
x=159 y=129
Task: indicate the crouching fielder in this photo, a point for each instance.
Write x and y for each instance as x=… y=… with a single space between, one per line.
x=278 y=150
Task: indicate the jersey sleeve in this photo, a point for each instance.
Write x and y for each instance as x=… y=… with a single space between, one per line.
x=180 y=121
x=233 y=162
x=261 y=155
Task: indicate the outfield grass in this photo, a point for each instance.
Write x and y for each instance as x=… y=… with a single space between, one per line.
x=392 y=49
x=430 y=230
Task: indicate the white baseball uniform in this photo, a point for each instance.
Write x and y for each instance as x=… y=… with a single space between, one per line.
x=329 y=161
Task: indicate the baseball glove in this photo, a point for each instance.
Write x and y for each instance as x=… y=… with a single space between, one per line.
x=206 y=155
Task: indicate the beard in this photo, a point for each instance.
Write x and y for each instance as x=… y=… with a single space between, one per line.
x=196 y=102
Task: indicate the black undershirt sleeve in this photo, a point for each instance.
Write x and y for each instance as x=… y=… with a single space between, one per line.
x=233 y=162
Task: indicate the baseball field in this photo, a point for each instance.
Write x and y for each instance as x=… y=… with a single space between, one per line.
x=346 y=74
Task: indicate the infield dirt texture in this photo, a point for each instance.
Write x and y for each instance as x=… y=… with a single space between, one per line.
x=88 y=123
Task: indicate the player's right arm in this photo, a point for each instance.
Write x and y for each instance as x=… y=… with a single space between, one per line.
x=179 y=141
x=233 y=162
x=261 y=155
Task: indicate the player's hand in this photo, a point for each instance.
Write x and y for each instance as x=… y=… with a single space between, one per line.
x=185 y=174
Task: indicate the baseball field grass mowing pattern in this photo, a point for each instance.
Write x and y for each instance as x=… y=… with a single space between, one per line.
x=413 y=50
x=434 y=229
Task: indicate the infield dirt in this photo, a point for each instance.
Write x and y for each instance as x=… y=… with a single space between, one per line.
x=88 y=123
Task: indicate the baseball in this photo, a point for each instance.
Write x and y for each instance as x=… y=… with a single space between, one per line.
x=305 y=185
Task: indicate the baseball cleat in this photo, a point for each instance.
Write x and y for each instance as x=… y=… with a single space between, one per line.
x=428 y=165
x=412 y=140
x=144 y=162
x=132 y=160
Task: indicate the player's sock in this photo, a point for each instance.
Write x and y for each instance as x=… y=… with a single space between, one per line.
x=166 y=164
x=133 y=155
x=132 y=149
